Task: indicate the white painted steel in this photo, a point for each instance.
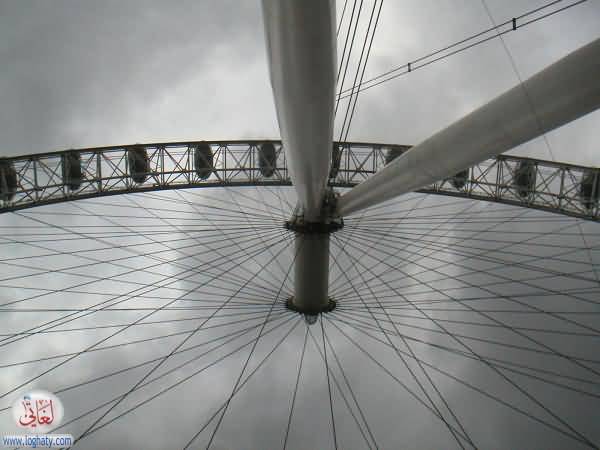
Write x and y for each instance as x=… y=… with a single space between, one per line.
x=564 y=91
x=301 y=49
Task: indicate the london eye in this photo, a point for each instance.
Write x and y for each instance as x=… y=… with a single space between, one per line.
x=312 y=291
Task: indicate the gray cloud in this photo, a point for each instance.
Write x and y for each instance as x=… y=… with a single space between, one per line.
x=82 y=74
x=106 y=72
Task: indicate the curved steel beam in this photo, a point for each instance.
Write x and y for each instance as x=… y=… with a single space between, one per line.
x=564 y=91
x=555 y=187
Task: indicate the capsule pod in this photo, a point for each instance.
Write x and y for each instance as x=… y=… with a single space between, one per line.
x=524 y=178
x=267 y=159
x=8 y=181
x=72 y=174
x=336 y=159
x=139 y=163
x=203 y=160
x=394 y=152
x=459 y=180
x=589 y=189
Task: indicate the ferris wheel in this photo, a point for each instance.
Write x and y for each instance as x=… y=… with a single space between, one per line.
x=313 y=292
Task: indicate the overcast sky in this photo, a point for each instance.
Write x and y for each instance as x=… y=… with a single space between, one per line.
x=92 y=73
x=77 y=74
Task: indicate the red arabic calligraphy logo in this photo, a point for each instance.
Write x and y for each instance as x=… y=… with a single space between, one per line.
x=38 y=411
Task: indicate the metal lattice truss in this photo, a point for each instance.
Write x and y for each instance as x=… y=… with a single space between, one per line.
x=40 y=179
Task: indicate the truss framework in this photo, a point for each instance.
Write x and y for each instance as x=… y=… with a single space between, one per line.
x=40 y=179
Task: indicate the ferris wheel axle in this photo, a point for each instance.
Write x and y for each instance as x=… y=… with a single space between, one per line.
x=301 y=50
x=311 y=260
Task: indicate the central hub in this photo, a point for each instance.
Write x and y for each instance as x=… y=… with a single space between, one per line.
x=326 y=223
x=310 y=315
x=300 y=226
x=311 y=259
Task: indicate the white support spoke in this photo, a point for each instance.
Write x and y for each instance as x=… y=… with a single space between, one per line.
x=564 y=91
x=301 y=50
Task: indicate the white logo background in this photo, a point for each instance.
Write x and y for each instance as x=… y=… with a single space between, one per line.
x=25 y=411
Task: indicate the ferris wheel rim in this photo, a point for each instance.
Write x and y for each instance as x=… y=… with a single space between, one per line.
x=562 y=188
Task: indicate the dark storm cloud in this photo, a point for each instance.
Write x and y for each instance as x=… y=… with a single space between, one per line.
x=92 y=73
x=78 y=74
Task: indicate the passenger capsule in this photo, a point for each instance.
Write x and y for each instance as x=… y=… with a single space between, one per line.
x=524 y=178
x=460 y=179
x=139 y=163
x=8 y=180
x=72 y=175
x=589 y=189
x=203 y=160
x=394 y=152
x=336 y=159
x=267 y=159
